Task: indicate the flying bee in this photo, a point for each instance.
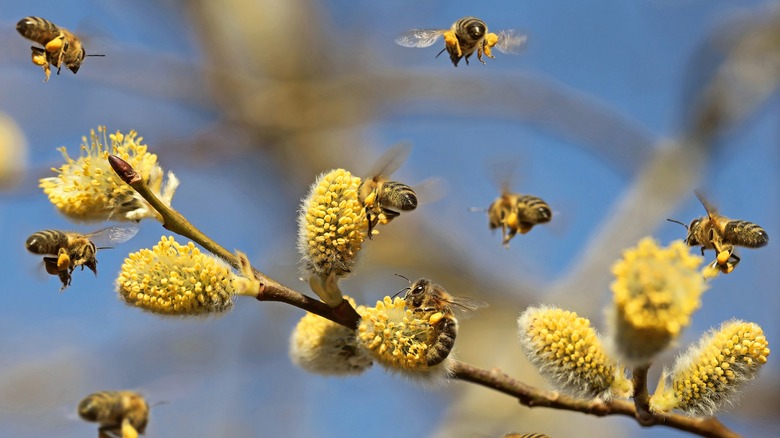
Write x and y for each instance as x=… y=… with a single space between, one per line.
x=513 y=212
x=431 y=301
x=119 y=413
x=722 y=235
x=60 y=46
x=64 y=251
x=382 y=199
x=463 y=38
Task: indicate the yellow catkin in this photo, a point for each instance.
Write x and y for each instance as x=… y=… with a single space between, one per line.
x=331 y=228
x=174 y=279
x=712 y=373
x=321 y=346
x=88 y=189
x=655 y=292
x=568 y=352
x=332 y=225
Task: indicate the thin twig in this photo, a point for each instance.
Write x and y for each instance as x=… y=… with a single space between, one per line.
x=641 y=396
x=270 y=289
x=533 y=397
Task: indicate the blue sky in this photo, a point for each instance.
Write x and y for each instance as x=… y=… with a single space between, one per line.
x=627 y=59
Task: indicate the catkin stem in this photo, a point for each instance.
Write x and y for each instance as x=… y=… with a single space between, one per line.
x=270 y=289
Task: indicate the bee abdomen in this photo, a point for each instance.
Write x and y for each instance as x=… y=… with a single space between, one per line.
x=399 y=195
x=535 y=207
x=442 y=345
x=37 y=29
x=46 y=242
x=745 y=233
x=470 y=29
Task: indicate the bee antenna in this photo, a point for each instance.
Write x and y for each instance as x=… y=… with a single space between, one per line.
x=678 y=222
x=406 y=288
x=96 y=55
x=405 y=278
x=442 y=51
x=105 y=247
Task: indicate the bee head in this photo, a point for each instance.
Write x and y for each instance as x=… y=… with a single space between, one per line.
x=74 y=64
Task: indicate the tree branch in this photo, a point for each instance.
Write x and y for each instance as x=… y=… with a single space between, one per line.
x=346 y=315
x=270 y=289
x=533 y=397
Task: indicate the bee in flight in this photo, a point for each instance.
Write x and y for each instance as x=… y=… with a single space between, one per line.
x=64 y=251
x=381 y=198
x=60 y=46
x=119 y=413
x=466 y=36
x=430 y=301
x=722 y=235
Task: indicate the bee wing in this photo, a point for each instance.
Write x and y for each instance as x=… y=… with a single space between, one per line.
x=391 y=160
x=112 y=235
x=711 y=210
x=466 y=304
x=431 y=190
x=510 y=43
x=419 y=37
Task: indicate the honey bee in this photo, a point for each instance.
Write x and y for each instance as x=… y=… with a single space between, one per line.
x=381 y=197
x=513 y=212
x=60 y=46
x=430 y=301
x=64 y=251
x=119 y=413
x=722 y=235
x=466 y=36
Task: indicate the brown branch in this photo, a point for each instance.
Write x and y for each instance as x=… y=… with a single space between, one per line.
x=346 y=315
x=270 y=289
x=641 y=395
x=533 y=397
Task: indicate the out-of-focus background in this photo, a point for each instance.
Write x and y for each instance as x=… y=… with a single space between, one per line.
x=613 y=113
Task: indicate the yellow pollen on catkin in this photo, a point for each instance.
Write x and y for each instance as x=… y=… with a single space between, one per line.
x=394 y=336
x=174 y=279
x=332 y=225
x=655 y=292
x=87 y=188
x=568 y=352
x=711 y=374
x=321 y=346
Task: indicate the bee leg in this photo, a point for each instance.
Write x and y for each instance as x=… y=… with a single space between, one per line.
x=62 y=55
x=487 y=51
x=509 y=236
x=41 y=58
x=436 y=317
x=63 y=260
x=50 y=263
x=372 y=222
x=451 y=42
x=55 y=44
x=65 y=278
x=128 y=431
x=483 y=49
x=108 y=431
x=729 y=264
x=390 y=214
